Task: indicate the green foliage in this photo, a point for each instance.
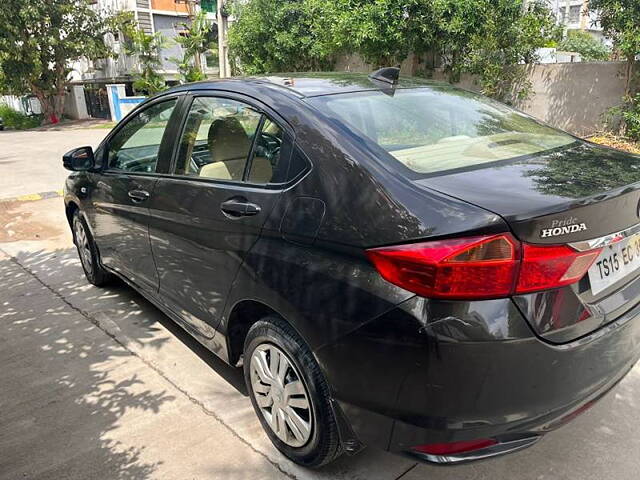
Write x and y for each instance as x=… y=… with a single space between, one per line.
x=383 y=32
x=187 y=70
x=38 y=40
x=18 y=120
x=275 y=36
x=620 y=20
x=199 y=40
x=508 y=38
x=146 y=48
x=148 y=82
x=489 y=38
x=626 y=118
x=631 y=116
x=588 y=47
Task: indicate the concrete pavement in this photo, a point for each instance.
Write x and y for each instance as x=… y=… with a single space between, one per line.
x=78 y=404
x=31 y=161
x=97 y=383
x=51 y=313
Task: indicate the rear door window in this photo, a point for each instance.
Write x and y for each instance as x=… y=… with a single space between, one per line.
x=229 y=140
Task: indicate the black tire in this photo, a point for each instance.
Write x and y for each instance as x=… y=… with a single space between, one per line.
x=89 y=257
x=323 y=445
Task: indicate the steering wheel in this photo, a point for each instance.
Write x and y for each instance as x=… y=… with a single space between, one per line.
x=269 y=146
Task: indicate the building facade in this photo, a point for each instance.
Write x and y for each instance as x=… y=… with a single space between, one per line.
x=153 y=16
x=576 y=15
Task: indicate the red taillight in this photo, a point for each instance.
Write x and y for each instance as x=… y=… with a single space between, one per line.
x=479 y=267
x=553 y=266
x=474 y=267
x=455 y=447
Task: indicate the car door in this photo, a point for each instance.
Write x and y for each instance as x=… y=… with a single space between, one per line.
x=133 y=157
x=228 y=166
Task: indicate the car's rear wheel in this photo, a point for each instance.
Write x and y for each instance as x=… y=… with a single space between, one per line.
x=88 y=252
x=289 y=393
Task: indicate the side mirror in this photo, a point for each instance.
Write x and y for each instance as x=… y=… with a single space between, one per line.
x=79 y=159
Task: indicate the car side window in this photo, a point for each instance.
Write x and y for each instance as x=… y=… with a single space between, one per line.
x=217 y=139
x=265 y=161
x=226 y=139
x=135 y=147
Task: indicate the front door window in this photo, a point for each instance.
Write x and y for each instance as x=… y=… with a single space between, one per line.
x=135 y=147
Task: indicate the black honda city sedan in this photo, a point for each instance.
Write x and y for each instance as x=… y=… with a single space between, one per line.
x=394 y=262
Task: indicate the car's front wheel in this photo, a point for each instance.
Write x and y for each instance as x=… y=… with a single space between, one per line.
x=88 y=252
x=289 y=393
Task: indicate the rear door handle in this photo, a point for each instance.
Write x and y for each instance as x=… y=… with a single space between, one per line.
x=139 y=195
x=239 y=208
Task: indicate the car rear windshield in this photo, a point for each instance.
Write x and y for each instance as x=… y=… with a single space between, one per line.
x=441 y=128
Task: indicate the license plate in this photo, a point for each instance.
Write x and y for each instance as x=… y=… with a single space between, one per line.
x=614 y=263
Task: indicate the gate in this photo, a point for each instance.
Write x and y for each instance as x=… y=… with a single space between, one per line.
x=97 y=101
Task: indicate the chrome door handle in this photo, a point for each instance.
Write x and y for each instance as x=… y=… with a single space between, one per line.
x=239 y=208
x=138 y=195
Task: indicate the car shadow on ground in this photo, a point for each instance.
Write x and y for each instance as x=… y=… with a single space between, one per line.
x=134 y=322
x=60 y=399
x=58 y=382
x=128 y=304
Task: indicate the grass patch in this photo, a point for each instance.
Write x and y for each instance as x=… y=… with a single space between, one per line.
x=621 y=143
x=105 y=126
x=18 y=120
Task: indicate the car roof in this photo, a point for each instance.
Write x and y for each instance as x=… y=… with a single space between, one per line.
x=310 y=84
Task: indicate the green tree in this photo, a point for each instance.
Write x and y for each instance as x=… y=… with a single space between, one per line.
x=383 y=32
x=38 y=41
x=588 y=47
x=274 y=36
x=507 y=40
x=146 y=48
x=489 y=38
x=620 y=20
x=198 y=40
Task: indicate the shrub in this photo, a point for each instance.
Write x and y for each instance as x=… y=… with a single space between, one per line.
x=625 y=119
x=18 y=120
x=588 y=47
x=631 y=116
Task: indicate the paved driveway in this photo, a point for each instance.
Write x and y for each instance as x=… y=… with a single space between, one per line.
x=31 y=162
x=97 y=383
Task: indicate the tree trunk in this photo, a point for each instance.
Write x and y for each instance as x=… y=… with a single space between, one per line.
x=45 y=104
x=631 y=60
x=58 y=101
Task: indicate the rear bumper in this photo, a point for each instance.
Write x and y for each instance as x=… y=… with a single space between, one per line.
x=502 y=448
x=434 y=372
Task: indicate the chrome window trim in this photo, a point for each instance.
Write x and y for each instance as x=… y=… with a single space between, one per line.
x=605 y=240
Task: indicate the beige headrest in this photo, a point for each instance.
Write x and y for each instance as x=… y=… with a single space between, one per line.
x=227 y=140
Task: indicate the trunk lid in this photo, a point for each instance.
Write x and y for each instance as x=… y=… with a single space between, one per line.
x=581 y=186
x=565 y=196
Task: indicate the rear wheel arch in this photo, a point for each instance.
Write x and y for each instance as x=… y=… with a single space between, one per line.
x=243 y=315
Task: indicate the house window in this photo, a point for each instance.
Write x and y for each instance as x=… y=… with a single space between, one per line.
x=209 y=6
x=562 y=15
x=574 y=13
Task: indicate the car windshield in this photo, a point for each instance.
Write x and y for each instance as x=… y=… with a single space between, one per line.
x=441 y=128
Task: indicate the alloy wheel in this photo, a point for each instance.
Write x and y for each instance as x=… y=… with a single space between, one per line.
x=281 y=395
x=82 y=242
